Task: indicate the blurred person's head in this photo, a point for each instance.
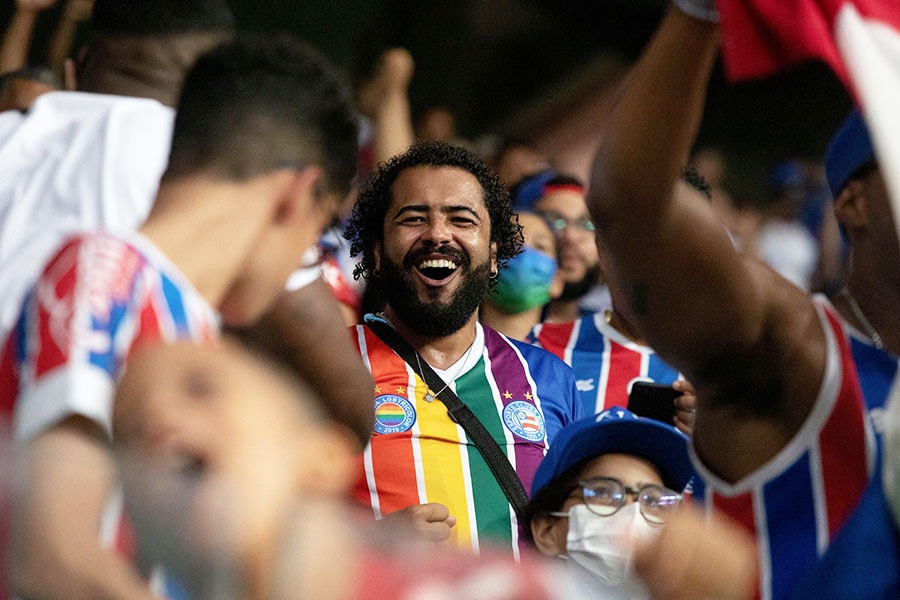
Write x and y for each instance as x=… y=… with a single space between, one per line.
x=515 y=160
x=530 y=188
x=861 y=203
x=436 y=123
x=850 y=154
x=216 y=445
x=18 y=89
x=144 y=48
x=563 y=204
x=433 y=230
x=253 y=108
x=606 y=479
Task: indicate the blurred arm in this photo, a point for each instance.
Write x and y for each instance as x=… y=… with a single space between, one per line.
x=751 y=343
x=75 y=12
x=653 y=226
x=306 y=328
x=699 y=556
x=385 y=99
x=17 y=39
x=69 y=476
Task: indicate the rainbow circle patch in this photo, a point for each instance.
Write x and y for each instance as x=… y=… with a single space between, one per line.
x=524 y=420
x=393 y=414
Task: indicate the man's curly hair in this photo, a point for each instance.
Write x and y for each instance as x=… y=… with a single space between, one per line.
x=366 y=225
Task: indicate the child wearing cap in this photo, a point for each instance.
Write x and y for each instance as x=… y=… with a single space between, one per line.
x=602 y=499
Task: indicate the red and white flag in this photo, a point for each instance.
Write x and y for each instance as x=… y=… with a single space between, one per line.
x=859 y=39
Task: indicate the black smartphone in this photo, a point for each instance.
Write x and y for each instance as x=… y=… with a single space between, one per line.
x=653 y=400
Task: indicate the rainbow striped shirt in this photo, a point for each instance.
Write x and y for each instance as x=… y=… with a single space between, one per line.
x=522 y=394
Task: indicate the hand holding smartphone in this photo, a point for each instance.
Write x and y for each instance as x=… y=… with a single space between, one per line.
x=653 y=400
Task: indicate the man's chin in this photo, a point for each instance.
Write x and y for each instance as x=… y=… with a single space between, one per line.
x=434 y=311
x=574 y=278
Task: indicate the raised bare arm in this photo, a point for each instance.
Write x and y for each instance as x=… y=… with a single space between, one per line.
x=751 y=343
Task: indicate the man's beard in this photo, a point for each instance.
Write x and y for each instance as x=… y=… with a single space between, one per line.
x=573 y=290
x=433 y=319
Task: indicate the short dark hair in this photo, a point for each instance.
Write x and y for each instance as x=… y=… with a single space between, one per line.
x=366 y=225
x=144 y=48
x=257 y=104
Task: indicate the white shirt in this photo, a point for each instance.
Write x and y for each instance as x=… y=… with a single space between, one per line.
x=75 y=161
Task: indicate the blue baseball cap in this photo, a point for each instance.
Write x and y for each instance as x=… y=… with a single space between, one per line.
x=530 y=189
x=849 y=150
x=786 y=177
x=617 y=431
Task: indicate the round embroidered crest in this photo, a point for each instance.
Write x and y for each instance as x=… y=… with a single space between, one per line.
x=524 y=420
x=393 y=414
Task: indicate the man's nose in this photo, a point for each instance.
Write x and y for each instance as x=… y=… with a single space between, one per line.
x=439 y=231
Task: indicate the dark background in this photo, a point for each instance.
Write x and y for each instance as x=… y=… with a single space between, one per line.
x=496 y=62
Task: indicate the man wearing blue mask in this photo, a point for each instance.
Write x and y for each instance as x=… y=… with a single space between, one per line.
x=530 y=280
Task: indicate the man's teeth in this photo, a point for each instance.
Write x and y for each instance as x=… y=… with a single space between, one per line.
x=441 y=263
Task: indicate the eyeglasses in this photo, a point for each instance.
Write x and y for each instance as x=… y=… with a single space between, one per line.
x=604 y=496
x=559 y=223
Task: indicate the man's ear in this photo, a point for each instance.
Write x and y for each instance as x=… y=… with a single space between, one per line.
x=850 y=205
x=494 y=267
x=548 y=534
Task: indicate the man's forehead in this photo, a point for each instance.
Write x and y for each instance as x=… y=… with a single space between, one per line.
x=430 y=186
x=562 y=201
x=425 y=173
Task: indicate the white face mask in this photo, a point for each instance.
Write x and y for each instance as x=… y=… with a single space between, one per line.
x=598 y=551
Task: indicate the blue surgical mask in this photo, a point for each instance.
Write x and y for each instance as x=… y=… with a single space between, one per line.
x=525 y=282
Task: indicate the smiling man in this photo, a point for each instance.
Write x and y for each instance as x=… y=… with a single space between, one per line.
x=432 y=232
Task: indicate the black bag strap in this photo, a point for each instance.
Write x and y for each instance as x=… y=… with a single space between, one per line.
x=493 y=455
